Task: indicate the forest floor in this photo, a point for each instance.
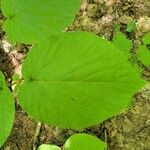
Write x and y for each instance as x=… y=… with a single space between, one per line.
x=130 y=130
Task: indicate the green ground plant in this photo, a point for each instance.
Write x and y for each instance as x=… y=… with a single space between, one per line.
x=70 y=79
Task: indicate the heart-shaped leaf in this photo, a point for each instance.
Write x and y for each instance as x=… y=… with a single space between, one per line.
x=75 y=80
x=30 y=20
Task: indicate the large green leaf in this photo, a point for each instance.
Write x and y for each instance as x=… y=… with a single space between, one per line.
x=7 y=111
x=30 y=20
x=84 y=142
x=76 y=80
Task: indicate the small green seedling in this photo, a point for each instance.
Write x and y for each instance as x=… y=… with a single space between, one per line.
x=131 y=26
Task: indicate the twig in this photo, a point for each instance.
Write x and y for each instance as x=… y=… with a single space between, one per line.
x=37 y=132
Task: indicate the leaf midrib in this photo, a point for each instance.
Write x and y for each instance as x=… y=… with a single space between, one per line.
x=77 y=81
